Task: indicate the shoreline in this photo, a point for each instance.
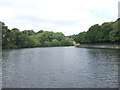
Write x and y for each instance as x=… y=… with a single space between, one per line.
x=34 y=47
x=114 y=46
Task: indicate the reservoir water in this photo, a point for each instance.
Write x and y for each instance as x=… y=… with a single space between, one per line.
x=60 y=67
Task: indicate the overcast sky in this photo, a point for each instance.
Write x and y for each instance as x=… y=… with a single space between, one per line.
x=67 y=16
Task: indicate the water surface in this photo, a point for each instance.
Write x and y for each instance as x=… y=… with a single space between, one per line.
x=60 y=67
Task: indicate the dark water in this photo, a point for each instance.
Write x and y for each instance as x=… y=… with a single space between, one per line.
x=60 y=67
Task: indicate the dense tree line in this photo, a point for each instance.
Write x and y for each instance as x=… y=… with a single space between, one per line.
x=108 y=32
x=28 y=38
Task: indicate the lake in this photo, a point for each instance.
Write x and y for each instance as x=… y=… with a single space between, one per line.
x=60 y=67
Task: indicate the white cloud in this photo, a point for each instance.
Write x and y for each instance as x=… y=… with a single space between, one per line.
x=7 y=13
x=67 y=16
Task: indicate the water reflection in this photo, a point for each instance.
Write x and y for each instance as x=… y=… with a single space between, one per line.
x=60 y=67
x=104 y=67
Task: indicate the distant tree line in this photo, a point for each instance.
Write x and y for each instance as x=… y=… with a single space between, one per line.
x=28 y=38
x=108 y=32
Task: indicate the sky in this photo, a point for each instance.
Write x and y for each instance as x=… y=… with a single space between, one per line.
x=67 y=16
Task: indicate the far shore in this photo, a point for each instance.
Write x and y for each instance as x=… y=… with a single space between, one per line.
x=112 y=46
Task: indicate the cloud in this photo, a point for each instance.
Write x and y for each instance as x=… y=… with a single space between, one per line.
x=67 y=16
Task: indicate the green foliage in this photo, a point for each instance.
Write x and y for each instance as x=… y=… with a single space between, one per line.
x=49 y=38
x=28 y=32
x=28 y=38
x=114 y=35
x=40 y=31
x=107 y=32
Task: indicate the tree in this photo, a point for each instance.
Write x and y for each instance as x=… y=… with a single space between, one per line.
x=107 y=32
x=92 y=34
x=28 y=32
x=41 y=31
x=114 y=35
x=5 y=35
